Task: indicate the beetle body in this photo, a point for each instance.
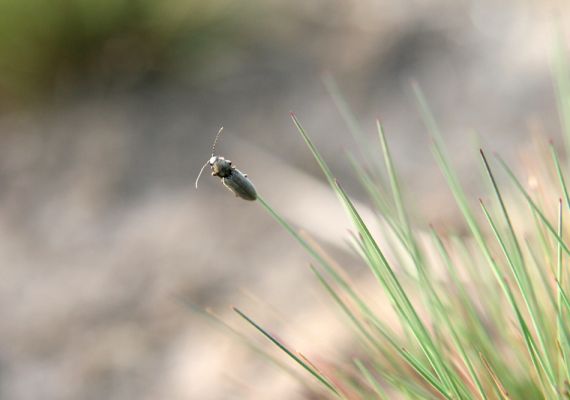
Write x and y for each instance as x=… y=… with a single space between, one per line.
x=231 y=177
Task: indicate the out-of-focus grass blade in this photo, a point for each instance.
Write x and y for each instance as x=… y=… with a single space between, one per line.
x=565 y=343
x=440 y=154
x=347 y=115
x=519 y=271
x=562 y=86
x=412 y=392
x=542 y=238
x=221 y=324
x=398 y=200
x=321 y=378
x=360 y=327
x=324 y=167
x=536 y=358
x=343 y=108
x=374 y=187
x=498 y=385
x=378 y=198
x=517 y=249
x=374 y=384
x=533 y=205
x=560 y=174
x=415 y=363
x=548 y=288
x=560 y=315
x=474 y=318
x=563 y=296
x=427 y=115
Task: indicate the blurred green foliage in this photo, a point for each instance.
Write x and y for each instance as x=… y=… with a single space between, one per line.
x=50 y=46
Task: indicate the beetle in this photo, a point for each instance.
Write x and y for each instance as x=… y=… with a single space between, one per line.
x=231 y=177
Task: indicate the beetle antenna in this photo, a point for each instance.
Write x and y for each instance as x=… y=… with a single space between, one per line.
x=216 y=140
x=200 y=174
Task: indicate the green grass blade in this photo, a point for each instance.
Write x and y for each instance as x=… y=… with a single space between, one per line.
x=388 y=336
x=538 y=360
x=507 y=218
x=519 y=270
x=414 y=362
x=374 y=187
x=347 y=116
x=459 y=194
x=398 y=199
x=385 y=274
x=442 y=159
x=360 y=327
x=321 y=378
x=432 y=295
x=560 y=315
x=465 y=300
x=563 y=296
x=388 y=279
x=378 y=199
x=428 y=117
x=374 y=384
x=218 y=323
x=560 y=174
x=562 y=87
x=542 y=238
x=498 y=384
x=533 y=205
x=324 y=167
x=354 y=296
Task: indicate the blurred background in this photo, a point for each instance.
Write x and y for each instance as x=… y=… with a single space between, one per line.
x=108 y=109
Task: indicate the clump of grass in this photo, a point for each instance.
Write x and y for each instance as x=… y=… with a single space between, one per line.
x=486 y=318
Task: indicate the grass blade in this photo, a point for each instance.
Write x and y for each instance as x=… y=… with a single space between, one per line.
x=498 y=385
x=533 y=205
x=371 y=380
x=322 y=379
x=560 y=174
